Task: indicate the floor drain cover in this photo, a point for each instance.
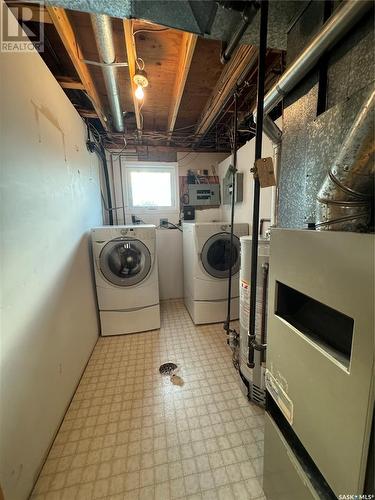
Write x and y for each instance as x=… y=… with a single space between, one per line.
x=167 y=368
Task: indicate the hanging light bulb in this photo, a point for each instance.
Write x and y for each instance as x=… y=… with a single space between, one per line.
x=141 y=80
x=139 y=94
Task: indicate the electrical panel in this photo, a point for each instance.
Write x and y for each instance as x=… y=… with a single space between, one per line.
x=204 y=194
x=227 y=188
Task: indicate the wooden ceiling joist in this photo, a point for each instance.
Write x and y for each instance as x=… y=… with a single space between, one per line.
x=244 y=57
x=188 y=43
x=131 y=52
x=70 y=83
x=65 y=31
x=87 y=113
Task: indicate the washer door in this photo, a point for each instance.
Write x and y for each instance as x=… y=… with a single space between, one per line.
x=125 y=262
x=216 y=255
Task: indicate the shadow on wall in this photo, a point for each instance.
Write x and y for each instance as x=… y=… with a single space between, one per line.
x=40 y=372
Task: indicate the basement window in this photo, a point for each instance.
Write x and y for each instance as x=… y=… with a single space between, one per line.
x=152 y=187
x=325 y=327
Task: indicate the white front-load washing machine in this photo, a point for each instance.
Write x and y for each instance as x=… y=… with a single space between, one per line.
x=126 y=276
x=206 y=247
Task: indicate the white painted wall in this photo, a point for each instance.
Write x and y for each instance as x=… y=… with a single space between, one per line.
x=245 y=161
x=186 y=161
x=169 y=243
x=169 y=251
x=200 y=161
x=50 y=198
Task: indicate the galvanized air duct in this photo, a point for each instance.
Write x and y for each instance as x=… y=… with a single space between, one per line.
x=102 y=27
x=336 y=26
x=247 y=17
x=344 y=200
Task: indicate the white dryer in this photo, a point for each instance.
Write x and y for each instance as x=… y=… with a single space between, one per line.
x=126 y=276
x=206 y=247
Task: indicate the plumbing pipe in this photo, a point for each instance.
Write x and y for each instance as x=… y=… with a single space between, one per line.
x=93 y=147
x=258 y=154
x=344 y=200
x=102 y=27
x=234 y=173
x=263 y=328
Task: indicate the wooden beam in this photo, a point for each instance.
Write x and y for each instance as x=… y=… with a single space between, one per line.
x=87 y=113
x=188 y=43
x=65 y=31
x=131 y=52
x=67 y=82
x=27 y=12
x=245 y=56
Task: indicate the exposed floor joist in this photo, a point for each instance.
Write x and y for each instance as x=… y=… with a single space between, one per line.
x=65 y=31
x=70 y=83
x=87 y=113
x=189 y=41
x=131 y=52
x=244 y=57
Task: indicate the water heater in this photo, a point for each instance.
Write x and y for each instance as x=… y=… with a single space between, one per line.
x=253 y=378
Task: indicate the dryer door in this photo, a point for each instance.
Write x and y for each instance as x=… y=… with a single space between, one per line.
x=125 y=261
x=216 y=255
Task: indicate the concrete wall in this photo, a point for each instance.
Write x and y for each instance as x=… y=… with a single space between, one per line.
x=50 y=198
x=311 y=141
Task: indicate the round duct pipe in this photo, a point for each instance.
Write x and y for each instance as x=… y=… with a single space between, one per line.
x=335 y=27
x=102 y=26
x=345 y=198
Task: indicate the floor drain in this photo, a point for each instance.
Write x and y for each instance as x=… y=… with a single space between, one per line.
x=167 y=368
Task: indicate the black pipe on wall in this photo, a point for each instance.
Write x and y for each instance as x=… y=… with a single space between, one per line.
x=95 y=147
x=234 y=173
x=258 y=155
x=107 y=184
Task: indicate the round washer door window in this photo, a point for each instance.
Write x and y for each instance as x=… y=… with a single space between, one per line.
x=216 y=255
x=125 y=262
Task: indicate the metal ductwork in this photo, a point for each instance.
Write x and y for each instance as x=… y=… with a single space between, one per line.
x=247 y=17
x=102 y=26
x=345 y=198
x=271 y=130
x=216 y=19
x=335 y=28
x=341 y=21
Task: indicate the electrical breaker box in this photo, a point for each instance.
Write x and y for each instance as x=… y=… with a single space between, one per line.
x=227 y=188
x=204 y=194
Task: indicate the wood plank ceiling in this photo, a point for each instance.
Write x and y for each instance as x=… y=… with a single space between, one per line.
x=187 y=103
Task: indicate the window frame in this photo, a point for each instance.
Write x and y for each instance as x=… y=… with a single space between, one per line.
x=169 y=167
